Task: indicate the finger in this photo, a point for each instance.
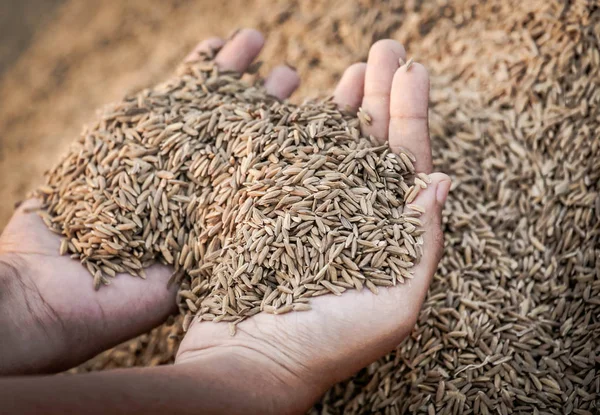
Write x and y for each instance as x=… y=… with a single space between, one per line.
x=154 y=297
x=282 y=82
x=409 y=127
x=350 y=90
x=372 y=326
x=100 y=319
x=431 y=200
x=206 y=46
x=239 y=52
x=369 y=326
x=383 y=61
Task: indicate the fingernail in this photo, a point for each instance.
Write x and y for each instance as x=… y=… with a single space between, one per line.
x=441 y=194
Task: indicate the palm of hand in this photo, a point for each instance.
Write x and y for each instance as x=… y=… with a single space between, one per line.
x=60 y=292
x=317 y=347
x=339 y=335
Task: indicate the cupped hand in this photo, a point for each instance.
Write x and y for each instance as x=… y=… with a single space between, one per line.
x=56 y=319
x=276 y=363
x=293 y=358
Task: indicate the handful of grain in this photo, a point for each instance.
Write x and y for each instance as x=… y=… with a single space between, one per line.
x=259 y=205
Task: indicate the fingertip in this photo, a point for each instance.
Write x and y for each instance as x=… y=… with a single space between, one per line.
x=443 y=182
x=357 y=69
x=386 y=45
x=209 y=45
x=241 y=50
x=410 y=92
x=282 y=81
x=350 y=89
x=438 y=177
x=252 y=36
x=433 y=198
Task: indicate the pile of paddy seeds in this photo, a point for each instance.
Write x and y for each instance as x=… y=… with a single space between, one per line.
x=511 y=324
x=258 y=204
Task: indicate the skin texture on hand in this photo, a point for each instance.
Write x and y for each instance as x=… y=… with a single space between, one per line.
x=67 y=322
x=274 y=364
x=65 y=318
x=340 y=335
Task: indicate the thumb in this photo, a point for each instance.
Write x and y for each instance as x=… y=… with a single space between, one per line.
x=432 y=200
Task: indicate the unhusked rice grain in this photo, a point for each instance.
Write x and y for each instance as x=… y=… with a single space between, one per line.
x=514 y=121
x=257 y=204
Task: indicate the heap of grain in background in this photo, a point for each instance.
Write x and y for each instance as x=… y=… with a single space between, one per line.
x=259 y=205
x=511 y=324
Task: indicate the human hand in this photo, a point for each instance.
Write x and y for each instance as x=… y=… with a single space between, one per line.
x=50 y=317
x=283 y=363
x=296 y=356
x=274 y=363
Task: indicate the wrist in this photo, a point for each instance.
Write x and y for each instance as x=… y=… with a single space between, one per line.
x=252 y=381
x=32 y=337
